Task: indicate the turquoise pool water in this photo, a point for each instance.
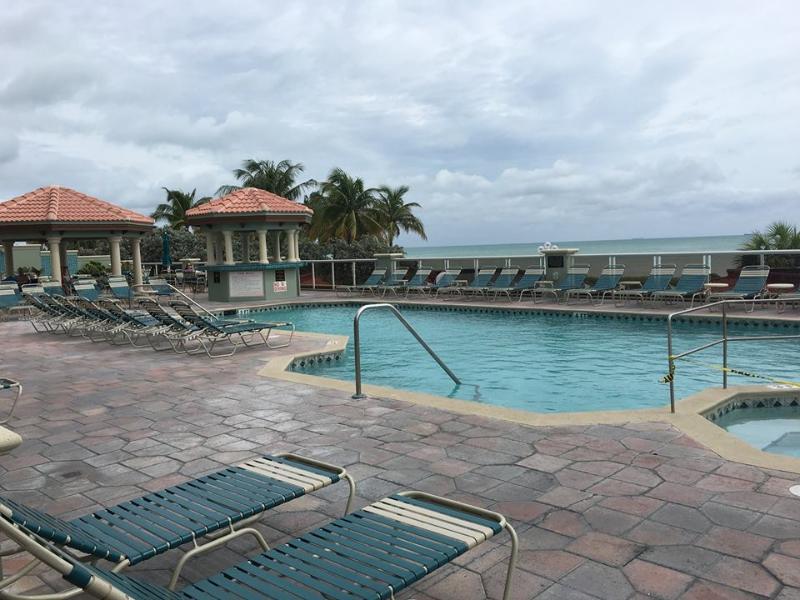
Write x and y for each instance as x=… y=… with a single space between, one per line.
x=544 y=363
x=774 y=430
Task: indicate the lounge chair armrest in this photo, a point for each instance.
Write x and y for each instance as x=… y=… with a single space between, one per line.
x=468 y=508
x=312 y=462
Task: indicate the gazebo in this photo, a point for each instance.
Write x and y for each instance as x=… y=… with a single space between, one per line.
x=243 y=212
x=59 y=215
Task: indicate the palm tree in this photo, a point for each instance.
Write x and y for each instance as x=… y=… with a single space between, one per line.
x=279 y=178
x=395 y=214
x=345 y=209
x=779 y=235
x=174 y=209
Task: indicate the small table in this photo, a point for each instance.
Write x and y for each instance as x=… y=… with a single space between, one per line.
x=630 y=285
x=716 y=287
x=780 y=288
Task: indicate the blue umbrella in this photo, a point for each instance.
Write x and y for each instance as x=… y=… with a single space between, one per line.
x=166 y=259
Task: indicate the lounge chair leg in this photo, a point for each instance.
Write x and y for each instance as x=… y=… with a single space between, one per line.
x=352 y=485
x=512 y=560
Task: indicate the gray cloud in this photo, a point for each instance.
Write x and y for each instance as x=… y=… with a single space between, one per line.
x=509 y=121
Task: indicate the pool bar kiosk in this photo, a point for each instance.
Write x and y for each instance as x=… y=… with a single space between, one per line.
x=267 y=227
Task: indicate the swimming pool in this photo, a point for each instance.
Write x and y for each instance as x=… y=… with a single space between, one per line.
x=773 y=429
x=539 y=362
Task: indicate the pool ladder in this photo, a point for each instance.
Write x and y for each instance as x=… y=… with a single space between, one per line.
x=407 y=325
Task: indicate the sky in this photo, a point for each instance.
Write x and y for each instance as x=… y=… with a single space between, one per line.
x=514 y=121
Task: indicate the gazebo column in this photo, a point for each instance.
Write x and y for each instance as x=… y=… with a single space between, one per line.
x=116 y=262
x=276 y=246
x=245 y=246
x=211 y=258
x=54 y=243
x=262 y=247
x=227 y=237
x=136 y=250
x=8 y=251
x=291 y=242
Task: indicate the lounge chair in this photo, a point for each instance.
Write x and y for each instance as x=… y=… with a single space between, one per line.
x=657 y=280
x=480 y=285
x=527 y=281
x=606 y=285
x=750 y=285
x=393 y=282
x=177 y=333
x=87 y=290
x=370 y=284
x=237 y=334
x=158 y=288
x=219 y=505
x=119 y=288
x=10 y=299
x=418 y=283
x=16 y=386
x=503 y=281
x=131 y=326
x=445 y=281
x=574 y=279
x=690 y=285
x=53 y=288
x=374 y=553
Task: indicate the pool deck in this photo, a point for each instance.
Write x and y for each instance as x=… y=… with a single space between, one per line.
x=629 y=511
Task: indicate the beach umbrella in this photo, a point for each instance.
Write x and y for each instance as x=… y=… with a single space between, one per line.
x=166 y=259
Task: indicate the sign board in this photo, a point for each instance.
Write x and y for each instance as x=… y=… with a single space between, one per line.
x=246 y=284
x=279 y=286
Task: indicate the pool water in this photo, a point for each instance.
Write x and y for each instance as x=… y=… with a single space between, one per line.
x=544 y=363
x=774 y=430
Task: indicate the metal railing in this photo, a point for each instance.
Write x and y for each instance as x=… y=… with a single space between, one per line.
x=724 y=340
x=194 y=303
x=407 y=325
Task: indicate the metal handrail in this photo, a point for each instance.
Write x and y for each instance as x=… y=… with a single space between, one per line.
x=174 y=289
x=724 y=340
x=401 y=318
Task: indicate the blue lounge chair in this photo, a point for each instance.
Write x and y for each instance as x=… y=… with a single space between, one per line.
x=160 y=288
x=528 y=281
x=418 y=282
x=657 y=280
x=504 y=282
x=221 y=505
x=393 y=282
x=370 y=284
x=10 y=299
x=373 y=553
x=606 y=285
x=119 y=288
x=690 y=285
x=87 y=290
x=236 y=334
x=476 y=286
x=53 y=288
x=574 y=279
x=446 y=280
x=750 y=285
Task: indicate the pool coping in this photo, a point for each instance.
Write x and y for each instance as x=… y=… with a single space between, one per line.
x=689 y=417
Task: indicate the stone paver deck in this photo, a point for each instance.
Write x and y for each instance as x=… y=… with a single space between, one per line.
x=617 y=512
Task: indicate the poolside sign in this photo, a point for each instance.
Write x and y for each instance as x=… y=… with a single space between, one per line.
x=279 y=286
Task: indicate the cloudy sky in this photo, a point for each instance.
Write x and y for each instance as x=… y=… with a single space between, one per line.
x=512 y=121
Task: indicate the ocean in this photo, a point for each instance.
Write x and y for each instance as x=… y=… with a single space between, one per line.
x=715 y=243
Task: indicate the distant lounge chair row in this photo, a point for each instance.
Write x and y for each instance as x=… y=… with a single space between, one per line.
x=374 y=552
x=187 y=331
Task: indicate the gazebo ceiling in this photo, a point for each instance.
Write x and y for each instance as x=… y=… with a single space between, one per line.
x=54 y=208
x=250 y=203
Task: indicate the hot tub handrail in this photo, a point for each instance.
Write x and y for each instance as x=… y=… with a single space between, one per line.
x=191 y=301
x=724 y=340
x=401 y=318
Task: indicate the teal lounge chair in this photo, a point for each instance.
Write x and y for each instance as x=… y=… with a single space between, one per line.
x=507 y=282
x=393 y=282
x=87 y=290
x=527 y=282
x=370 y=284
x=606 y=285
x=476 y=286
x=373 y=553
x=574 y=279
x=418 y=283
x=690 y=285
x=445 y=281
x=221 y=505
x=119 y=288
x=53 y=288
x=10 y=299
x=237 y=334
x=750 y=285
x=158 y=288
x=657 y=281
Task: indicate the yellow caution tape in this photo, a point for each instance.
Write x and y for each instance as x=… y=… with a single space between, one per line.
x=671 y=375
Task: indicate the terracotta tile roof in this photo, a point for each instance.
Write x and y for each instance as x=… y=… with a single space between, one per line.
x=63 y=205
x=248 y=201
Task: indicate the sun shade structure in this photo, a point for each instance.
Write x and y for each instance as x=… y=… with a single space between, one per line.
x=276 y=223
x=57 y=215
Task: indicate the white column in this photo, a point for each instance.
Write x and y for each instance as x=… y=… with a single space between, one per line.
x=297 y=244
x=8 y=251
x=54 y=243
x=227 y=237
x=116 y=263
x=136 y=248
x=276 y=246
x=245 y=246
x=291 y=245
x=211 y=258
x=262 y=247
